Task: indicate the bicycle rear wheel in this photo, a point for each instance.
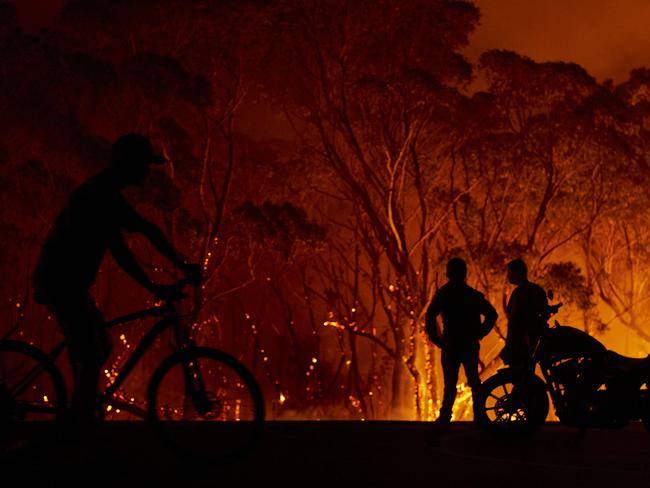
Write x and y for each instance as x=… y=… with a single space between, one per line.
x=206 y=405
x=32 y=399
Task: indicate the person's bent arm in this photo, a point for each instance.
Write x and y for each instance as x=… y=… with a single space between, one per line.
x=430 y=321
x=127 y=261
x=132 y=221
x=152 y=232
x=490 y=314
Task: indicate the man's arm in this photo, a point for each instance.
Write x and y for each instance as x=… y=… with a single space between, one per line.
x=132 y=221
x=127 y=261
x=542 y=300
x=152 y=232
x=430 y=321
x=490 y=314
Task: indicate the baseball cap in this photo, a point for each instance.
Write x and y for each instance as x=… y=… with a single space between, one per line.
x=135 y=148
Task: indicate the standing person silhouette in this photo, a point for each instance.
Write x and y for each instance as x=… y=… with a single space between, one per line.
x=527 y=312
x=461 y=307
x=90 y=223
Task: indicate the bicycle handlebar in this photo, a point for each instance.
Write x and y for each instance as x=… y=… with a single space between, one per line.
x=190 y=280
x=173 y=292
x=157 y=310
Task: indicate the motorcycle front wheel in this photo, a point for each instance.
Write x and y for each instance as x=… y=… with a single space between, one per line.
x=512 y=404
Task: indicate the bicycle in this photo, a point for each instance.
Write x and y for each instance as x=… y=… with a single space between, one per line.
x=192 y=384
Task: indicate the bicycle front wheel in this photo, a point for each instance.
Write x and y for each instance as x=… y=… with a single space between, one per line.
x=206 y=405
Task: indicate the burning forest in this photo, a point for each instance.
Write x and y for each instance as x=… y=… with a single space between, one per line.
x=325 y=159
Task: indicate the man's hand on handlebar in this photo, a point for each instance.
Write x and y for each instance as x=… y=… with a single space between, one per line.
x=192 y=273
x=175 y=291
x=168 y=293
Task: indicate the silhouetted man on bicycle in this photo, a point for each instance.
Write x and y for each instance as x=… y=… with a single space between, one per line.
x=461 y=307
x=91 y=222
x=527 y=312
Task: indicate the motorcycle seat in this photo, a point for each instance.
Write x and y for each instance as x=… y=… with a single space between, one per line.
x=626 y=364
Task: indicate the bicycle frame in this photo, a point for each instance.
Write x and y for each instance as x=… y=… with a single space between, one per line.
x=169 y=320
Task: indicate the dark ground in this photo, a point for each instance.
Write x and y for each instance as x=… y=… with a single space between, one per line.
x=360 y=454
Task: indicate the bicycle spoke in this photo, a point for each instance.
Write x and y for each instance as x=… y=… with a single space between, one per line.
x=28 y=384
x=26 y=381
x=36 y=408
x=220 y=394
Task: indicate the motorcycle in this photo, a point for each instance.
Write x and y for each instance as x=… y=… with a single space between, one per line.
x=589 y=385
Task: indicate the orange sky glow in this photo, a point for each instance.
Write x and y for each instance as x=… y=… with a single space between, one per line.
x=608 y=37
